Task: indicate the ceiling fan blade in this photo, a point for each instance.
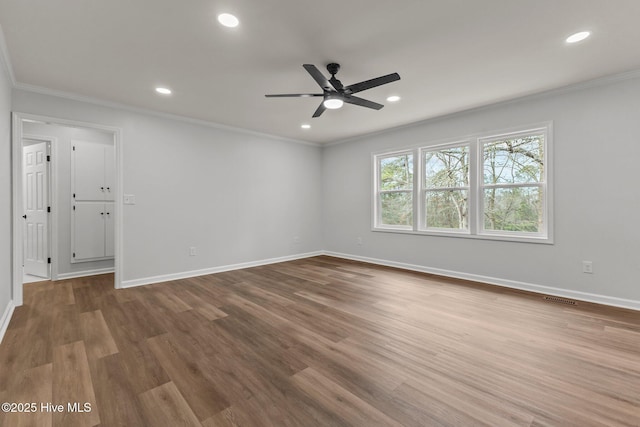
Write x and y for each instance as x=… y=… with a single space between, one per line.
x=318 y=76
x=299 y=95
x=368 y=84
x=320 y=110
x=362 y=102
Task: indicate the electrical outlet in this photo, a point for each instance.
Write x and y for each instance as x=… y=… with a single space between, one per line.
x=587 y=267
x=296 y=239
x=192 y=251
x=359 y=241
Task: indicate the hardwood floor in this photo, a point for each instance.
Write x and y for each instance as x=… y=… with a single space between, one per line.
x=317 y=342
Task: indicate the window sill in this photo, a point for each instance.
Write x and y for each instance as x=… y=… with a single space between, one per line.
x=465 y=235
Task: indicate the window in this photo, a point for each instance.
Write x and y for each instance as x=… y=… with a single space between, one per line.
x=490 y=187
x=513 y=184
x=446 y=188
x=395 y=190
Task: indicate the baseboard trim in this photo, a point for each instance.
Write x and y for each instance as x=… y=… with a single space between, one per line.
x=6 y=318
x=530 y=287
x=85 y=273
x=194 y=273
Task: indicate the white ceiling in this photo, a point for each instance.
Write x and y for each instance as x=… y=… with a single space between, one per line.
x=452 y=55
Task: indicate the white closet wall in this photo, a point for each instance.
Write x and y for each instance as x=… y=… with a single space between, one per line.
x=92 y=215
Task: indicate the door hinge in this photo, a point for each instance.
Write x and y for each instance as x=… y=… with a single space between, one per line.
x=74 y=195
x=74 y=254
x=74 y=208
x=48 y=260
x=74 y=148
x=48 y=158
x=49 y=209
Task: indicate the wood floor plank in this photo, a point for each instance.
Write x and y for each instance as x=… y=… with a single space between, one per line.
x=142 y=368
x=319 y=341
x=116 y=401
x=347 y=405
x=202 y=396
x=164 y=405
x=32 y=386
x=97 y=336
x=72 y=385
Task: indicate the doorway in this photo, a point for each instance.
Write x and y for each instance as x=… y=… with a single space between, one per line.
x=43 y=242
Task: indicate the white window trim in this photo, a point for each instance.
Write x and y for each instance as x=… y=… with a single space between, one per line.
x=476 y=186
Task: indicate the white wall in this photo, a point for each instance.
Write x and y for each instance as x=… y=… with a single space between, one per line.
x=596 y=157
x=5 y=190
x=240 y=197
x=237 y=197
x=62 y=157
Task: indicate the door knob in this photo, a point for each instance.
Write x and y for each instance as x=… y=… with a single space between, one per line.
x=24 y=216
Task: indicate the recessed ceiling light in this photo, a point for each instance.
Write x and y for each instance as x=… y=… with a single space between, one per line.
x=393 y=98
x=333 y=103
x=228 y=20
x=163 y=90
x=578 y=37
x=305 y=126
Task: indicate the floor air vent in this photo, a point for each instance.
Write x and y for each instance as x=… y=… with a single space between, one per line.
x=559 y=300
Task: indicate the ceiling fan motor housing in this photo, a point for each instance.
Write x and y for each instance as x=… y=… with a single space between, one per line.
x=333 y=68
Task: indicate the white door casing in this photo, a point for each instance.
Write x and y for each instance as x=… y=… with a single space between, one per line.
x=36 y=203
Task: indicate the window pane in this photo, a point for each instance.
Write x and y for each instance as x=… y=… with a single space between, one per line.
x=397 y=208
x=513 y=209
x=396 y=172
x=515 y=160
x=447 y=168
x=447 y=209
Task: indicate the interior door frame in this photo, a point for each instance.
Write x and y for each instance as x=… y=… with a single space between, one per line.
x=52 y=179
x=17 y=135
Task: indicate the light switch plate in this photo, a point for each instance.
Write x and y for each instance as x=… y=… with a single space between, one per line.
x=129 y=199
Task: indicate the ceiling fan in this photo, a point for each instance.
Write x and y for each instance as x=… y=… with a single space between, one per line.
x=335 y=94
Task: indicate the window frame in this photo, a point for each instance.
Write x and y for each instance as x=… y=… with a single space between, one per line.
x=476 y=230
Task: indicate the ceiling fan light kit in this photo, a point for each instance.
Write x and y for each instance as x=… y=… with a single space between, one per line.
x=333 y=103
x=335 y=94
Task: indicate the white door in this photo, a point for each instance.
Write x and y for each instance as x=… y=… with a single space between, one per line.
x=36 y=202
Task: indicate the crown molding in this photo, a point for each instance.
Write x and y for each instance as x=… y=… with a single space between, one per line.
x=588 y=84
x=126 y=107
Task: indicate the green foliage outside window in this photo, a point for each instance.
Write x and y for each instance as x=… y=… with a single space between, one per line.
x=396 y=184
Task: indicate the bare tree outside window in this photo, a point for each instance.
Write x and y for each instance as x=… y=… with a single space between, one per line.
x=494 y=186
x=513 y=174
x=446 y=194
